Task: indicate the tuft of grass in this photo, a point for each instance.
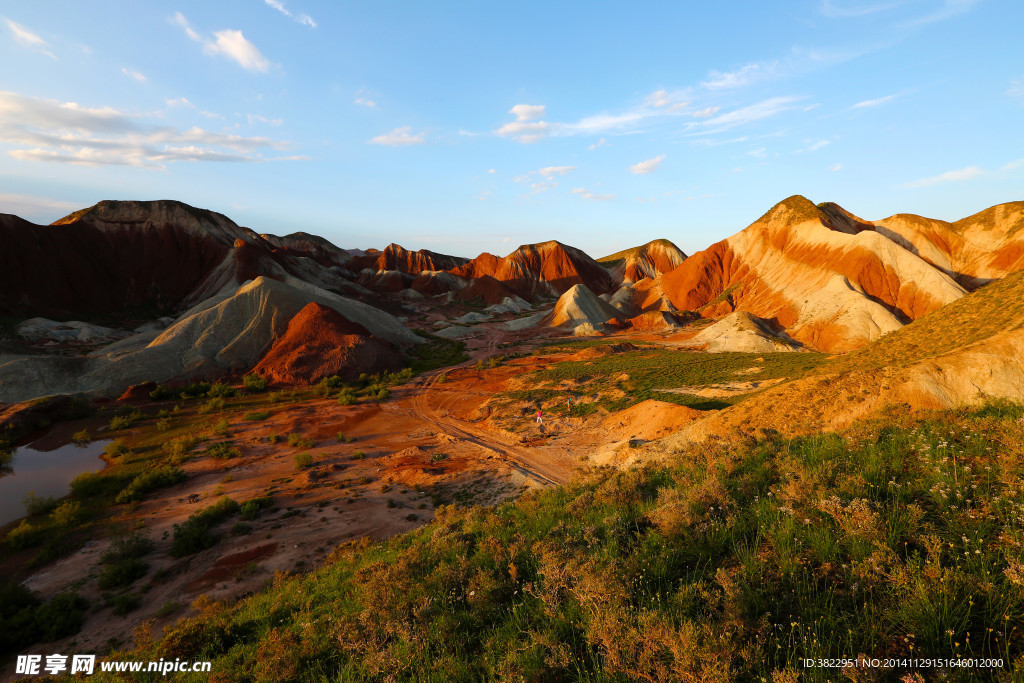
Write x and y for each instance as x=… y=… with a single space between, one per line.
x=257 y=416
x=298 y=441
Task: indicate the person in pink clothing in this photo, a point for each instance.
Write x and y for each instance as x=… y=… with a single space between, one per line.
x=540 y=420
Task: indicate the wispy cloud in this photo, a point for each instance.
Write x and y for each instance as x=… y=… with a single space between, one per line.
x=835 y=167
x=66 y=132
x=948 y=177
x=867 y=104
x=548 y=173
x=749 y=114
x=256 y=118
x=179 y=102
x=648 y=166
x=1016 y=88
x=591 y=196
x=705 y=113
x=399 y=137
x=228 y=43
x=304 y=19
x=28 y=205
x=947 y=10
x=844 y=9
x=132 y=73
x=747 y=74
x=28 y=39
x=599 y=143
x=813 y=146
x=363 y=102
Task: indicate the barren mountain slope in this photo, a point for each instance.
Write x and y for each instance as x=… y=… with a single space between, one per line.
x=648 y=260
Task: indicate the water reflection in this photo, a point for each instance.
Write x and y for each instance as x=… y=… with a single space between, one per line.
x=45 y=473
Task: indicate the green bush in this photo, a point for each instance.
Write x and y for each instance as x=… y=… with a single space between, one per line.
x=251 y=508
x=162 y=393
x=160 y=477
x=67 y=513
x=303 y=460
x=39 y=505
x=221 y=390
x=213 y=405
x=25 y=619
x=193 y=535
x=122 y=573
x=254 y=383
x=24 y=536
x=223 y=451
x=121 y=422
x=131 y=546
x=81 y=437
x=258 y=416
x=125 y=603
x=299 y=441
x=116 y=449
x=348 y=397
x=178 y=448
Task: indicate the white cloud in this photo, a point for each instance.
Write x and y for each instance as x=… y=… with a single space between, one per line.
x=842 y=9
x=256 y=118
x=813 y=146
x=491 y=170
x=181 y=21
x=229 y=43
x=663 y=99
x=49 y=130
x=759 y=153
x=835 y=167
x=27 y=205
x=749 y=114
x=131 y=73
x=301 y=18
x=948 y=177
x=365 y=102
x=948 y=10
x=648 y=166
x=26 y=38
x=549 y=171
x=746 y=75
x=1013 y=165
x=528 y=112
x=587 y=194
x=527 y=128
x=233 y=45
x=876 y=102
x=180 y=102
x=399 y=137
x=1016 y=87
x=705 y=113
x=599 y=143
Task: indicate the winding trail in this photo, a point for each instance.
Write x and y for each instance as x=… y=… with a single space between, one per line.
x=429 y=405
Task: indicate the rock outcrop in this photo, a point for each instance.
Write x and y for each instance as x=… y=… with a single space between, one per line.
x=580 y=306
x=319 y=343
x=648 y=260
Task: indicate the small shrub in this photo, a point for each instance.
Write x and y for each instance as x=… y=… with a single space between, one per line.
x=223 y=451
x=299 y=441
x=88 y=484
x=254 y=383
x=81 y=438
x=24 y=536
x=123 y=604
x=348 y=397
x=163 y=424
x=303 y=460
x=116 y=449
x=67 y=513
x=195 y=390
x=343 y=438
x=120 y=422
x=251 y=508
x=178 y=449
x=161 y=393
x=168 y=608
x=122 y=573
x=194 y=535
x=39 y=505
x=221 y=390
x=211 y=406
x=133 y=545
x=222 y=427
x=161 y=477
x=257 y=416
x=358 y=455
x=241 y=529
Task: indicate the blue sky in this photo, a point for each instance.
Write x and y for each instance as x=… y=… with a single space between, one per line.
x=466 y=127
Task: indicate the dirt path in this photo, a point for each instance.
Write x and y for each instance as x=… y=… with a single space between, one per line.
x=429 y=405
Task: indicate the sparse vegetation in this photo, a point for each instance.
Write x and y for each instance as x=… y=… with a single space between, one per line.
x=257 y=416
x=890 y=540
x=437 y=352
x=298 y=441
x=303 y=460
x=193 y=535
x=223 y=451
x=254 y=383
x=160 y=477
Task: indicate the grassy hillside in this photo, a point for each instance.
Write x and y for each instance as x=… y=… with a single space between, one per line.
x=893 y=540
x=996 y=307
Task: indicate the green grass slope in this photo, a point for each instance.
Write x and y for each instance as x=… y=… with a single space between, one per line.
x=895 y=540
